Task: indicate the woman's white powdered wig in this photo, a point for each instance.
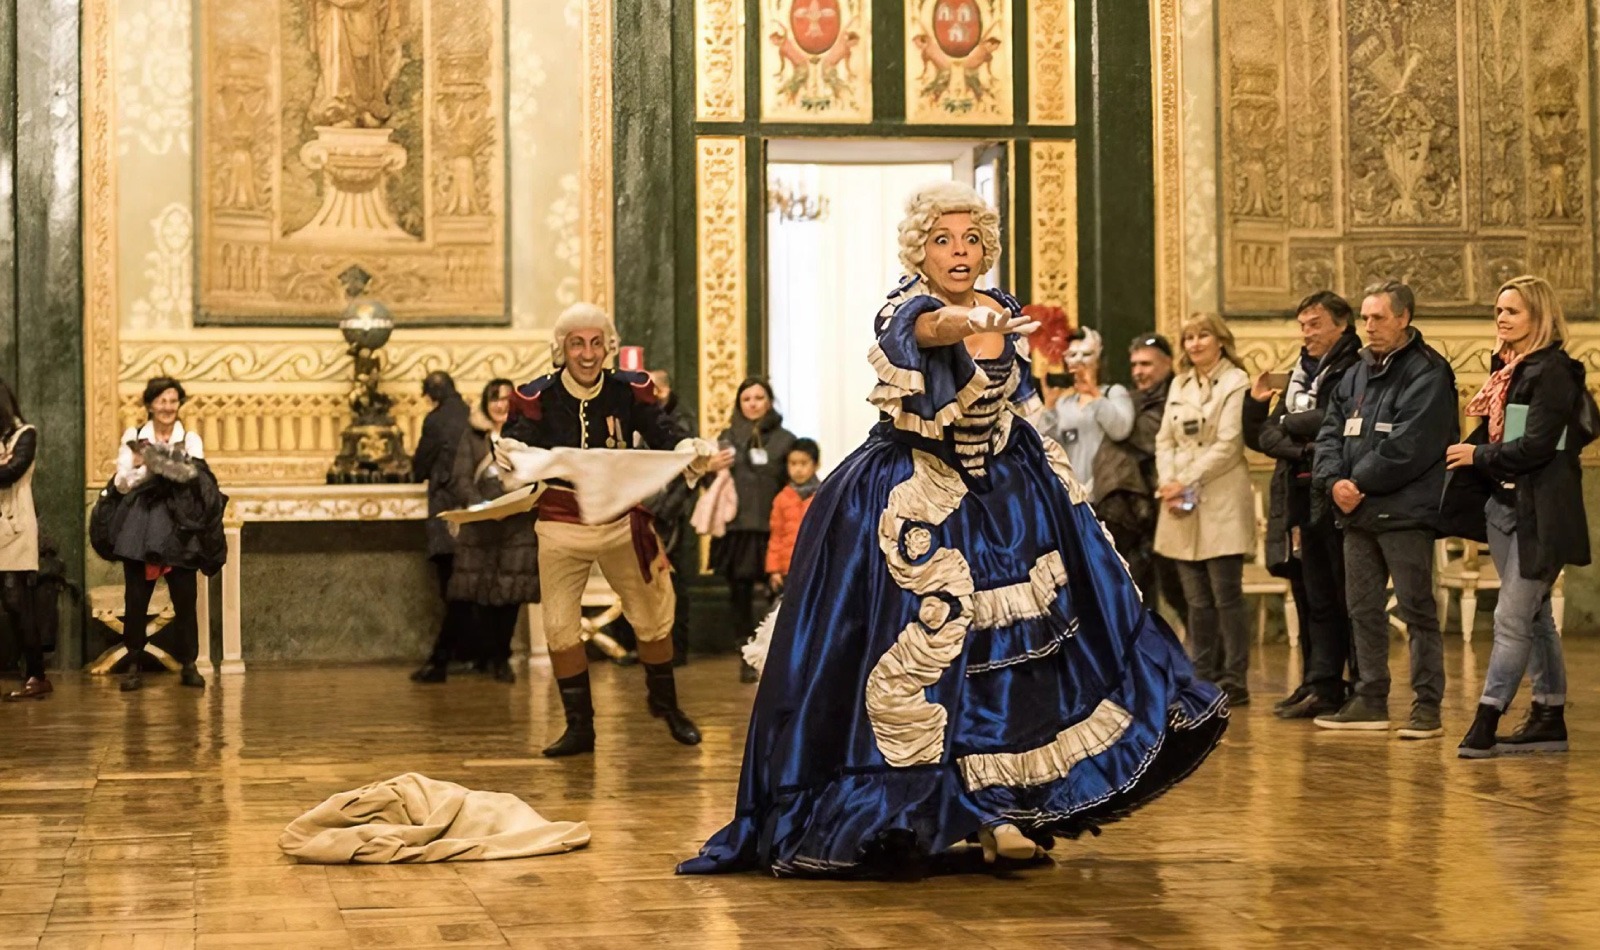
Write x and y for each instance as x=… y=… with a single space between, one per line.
x=923 y=210
x=581 y=316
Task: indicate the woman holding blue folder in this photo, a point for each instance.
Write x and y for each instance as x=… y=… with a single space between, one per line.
x=1537 y=417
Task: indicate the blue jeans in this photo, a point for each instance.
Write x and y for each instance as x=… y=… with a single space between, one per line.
x=1525 y=638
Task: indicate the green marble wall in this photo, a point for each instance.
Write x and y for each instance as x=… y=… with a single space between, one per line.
x=348 y=592
x=41 y=292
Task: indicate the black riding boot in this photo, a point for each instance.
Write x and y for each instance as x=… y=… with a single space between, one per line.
x=663 y=691
x=579 y=704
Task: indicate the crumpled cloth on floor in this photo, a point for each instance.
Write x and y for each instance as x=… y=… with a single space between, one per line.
x=412 y=819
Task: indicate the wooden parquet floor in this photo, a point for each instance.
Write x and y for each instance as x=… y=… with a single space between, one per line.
x=150 y=821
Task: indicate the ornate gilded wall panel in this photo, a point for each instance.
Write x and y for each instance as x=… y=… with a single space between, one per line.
x=266 y=393
x=1052 y=62
x=1442 y=141
x=258 y=428
x=719 y=60
x=594 y=212
x=339 y=134
x=1166 y=42
x=959 y=62
x=720 y=274
x=1522 y=57
x=99 y=241
x=1406 y=156
x=816 y=60
x=1054 y=216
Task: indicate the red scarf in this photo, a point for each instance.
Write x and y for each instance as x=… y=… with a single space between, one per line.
x=1491 y=399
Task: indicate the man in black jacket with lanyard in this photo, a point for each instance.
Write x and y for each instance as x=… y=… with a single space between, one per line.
x=1310 y=552
x=585 y=405
x=1380 y=460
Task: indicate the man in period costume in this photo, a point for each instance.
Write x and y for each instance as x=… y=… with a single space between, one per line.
x=585 y=405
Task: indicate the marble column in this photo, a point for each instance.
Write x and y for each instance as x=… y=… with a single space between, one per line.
x=46 y=301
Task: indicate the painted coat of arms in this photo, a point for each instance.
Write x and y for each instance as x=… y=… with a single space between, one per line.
x=351 y=133
x=816 y=63
x=958 y=61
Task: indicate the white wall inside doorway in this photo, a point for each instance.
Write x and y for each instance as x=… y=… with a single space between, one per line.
x=826 y=280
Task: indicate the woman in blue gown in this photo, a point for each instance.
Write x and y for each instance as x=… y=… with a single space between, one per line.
x=961 y=653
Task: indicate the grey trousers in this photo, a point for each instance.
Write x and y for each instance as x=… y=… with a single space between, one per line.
x=1525 y=638
x=1219 y=629
x=1370 y=560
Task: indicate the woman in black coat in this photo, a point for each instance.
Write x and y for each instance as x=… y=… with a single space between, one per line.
x=760 y=470
x=1525 y=459
x=496 y=562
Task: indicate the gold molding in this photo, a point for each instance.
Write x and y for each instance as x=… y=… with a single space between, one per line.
x=99 y=239
x=1166 y=42
x=595 y=198
x=719 y=60
x=1053 y=214
x=1052 y=62
x=720 y=274
x=313 y=358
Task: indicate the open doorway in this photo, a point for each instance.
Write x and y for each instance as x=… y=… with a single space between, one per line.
x=833 y=210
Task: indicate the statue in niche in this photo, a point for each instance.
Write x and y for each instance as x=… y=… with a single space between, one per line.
x=359 y=54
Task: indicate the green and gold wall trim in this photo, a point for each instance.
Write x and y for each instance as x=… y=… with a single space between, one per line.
x=1000 y=71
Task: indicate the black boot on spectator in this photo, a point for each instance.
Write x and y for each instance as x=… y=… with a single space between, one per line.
x=579 y=706
x=1480 y=741
x=190 y=677
x=1545 y=730
x=132 y=678
x=663 y=702
x=1295 y=698
x=748 y=673
x=503 y=673
x=430 y=672
x=1316 y=702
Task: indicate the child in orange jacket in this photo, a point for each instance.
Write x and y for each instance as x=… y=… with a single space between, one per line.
x=789 y=507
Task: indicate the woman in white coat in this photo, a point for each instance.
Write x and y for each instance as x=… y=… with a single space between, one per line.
x=1207 y=521
x=19 y=543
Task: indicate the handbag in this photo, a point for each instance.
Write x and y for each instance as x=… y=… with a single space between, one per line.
x=103 y=521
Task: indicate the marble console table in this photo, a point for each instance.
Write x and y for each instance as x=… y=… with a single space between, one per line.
x=299 y=503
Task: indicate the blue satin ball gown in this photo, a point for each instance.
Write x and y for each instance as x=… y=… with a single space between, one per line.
x=959 y=645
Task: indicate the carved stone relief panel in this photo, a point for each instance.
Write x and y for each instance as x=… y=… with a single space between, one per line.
x=1445 y=142
x=367 y=133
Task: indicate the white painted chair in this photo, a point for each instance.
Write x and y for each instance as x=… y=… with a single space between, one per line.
x=1261 y=584
x=1466 y=567
x=106 y=604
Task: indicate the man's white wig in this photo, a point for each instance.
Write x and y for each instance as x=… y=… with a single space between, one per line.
x=932 y=201
x=581 y=316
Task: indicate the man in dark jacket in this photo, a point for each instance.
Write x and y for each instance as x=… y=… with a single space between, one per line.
x=442 y=430
x=1380 y=461
x=1125 y=477
x=1309 y=553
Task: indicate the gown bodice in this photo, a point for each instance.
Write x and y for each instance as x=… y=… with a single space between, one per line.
x=976 y=430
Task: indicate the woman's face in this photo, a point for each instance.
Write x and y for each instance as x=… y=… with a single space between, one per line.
x=500 y=406
x=164 y=408
x=954 y=252
x=1513 y=323
x=754 y=402
x=1203 y=347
